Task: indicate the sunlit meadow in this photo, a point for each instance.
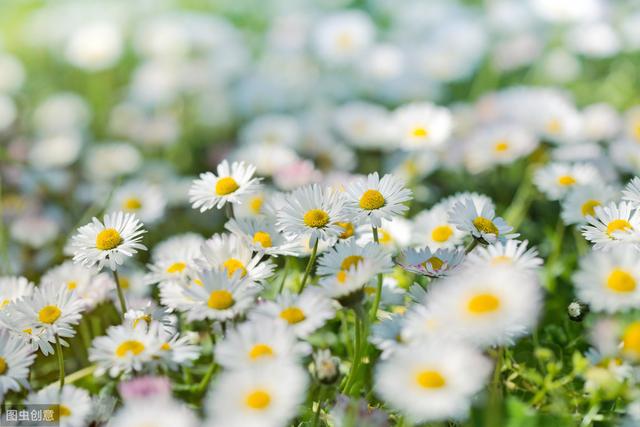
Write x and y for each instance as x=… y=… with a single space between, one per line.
x=338 y=213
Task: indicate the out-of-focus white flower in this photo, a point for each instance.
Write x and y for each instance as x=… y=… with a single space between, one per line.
x=422 y=125
x=296 y=174
x=561 y=66
x=56 y=151
x=8 y=112
x=110 y=160
x=577 y=11
x=140 y=198
x=160 y=412
x=16 y=357
x=74 y=404
x=12 y=74
x=34 y=231
x=94 y=46
x=61 y=113
x=582 y=200
x=557 y=179
x=342 y=37
x=594 y=39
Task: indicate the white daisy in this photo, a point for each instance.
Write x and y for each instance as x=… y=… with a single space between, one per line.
x=426 y=262
x=392 y=236
x=481 y=224
x=144 y=200
x=613 y=224
x=14 y=288
x=373 y=198
x=386 y=335
x=257 y=342
x=108 y=243
x=479 y=200
x=254 y=204
x=422 y=125
x=261 y=235
x=556 y=179
x=175 y=350
x=175 y=258
x=582 y=200
x=217 y=296
x=347 y=285
x=303 y=313
x=348 y=253
x=71 y=405
x=313 y=211
x=16 y=357
x=92 y=288
x=631 y=192
x=422 y=322
x=259 y=396
x=229 y=253
x=609 y=281
x=158 y=412
x=432 y=380
x=187 y=244
x=511 y=252
x=433 y=229
x=228 y=186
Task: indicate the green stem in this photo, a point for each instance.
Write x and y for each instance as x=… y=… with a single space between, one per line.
x=60 y=361
x=123 y=302
x=471 y=246
x=316 y=415
x=521 y=200
x=202 y=386
x=376 y=300
x=228 y=208
x=357 y=355
x=312 y=260
x=494 y=407
x=284 y=274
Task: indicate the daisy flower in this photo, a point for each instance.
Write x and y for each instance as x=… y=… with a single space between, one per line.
x=228 y=186
x=582 y=200
x=631 y=341
x=349 y=253
x=392 y=236
x=313 y=211
x=631 y=192
x=144 y=200
x=187 y=244
x=303 y=313
x=609 y=281
x=261 y=235
x=259 y=396
x=158 y=412
x=487 y=306
x=432 y=380
x=386 y=335
x=175 y=350
x=16 y=357
x=511 y=252
x=373 y=199
x=175 y=258
x=108 y=243
x=14 y=288
x=422 y=125
x=613 y=224
x=426 y=262
x=422 y=322
x=556 y=179
x=482 y=224
x=347 y=285
x=479 y=200
x=92 y=287
x=254 y=205
x=256 y=342
x=72 y=405
x=217 y=296
x=229 y=253
x=433 y=229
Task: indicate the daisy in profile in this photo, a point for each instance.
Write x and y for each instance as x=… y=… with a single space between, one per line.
x=373 y=199
x=487 y=306
x=216 y=296
x=303 y=313
x=631 y=192
x=256 y=342
x=613 y=224
x=259 y=396
x=229 y=185
x=426 y=262
x=433 y=229
x=582 y=200
x=482 y=224
x=386 y=335
x=479 y=201
x=422 y=125
x=16 y=357
x=556 y=179
x=261 y=235
x=144 y=200
x=92 y=287
x=72 y=406
x=512 y=252
x=609 y=281
x=347 y=285
x=313 y=212
x=97 y=243
x=392 y=236
x=158 y=412
x=14 y=288
x=432 y=380
x=229 y=253
x=346 y=254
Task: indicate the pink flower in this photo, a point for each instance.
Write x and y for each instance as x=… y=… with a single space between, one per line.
x=145 y=388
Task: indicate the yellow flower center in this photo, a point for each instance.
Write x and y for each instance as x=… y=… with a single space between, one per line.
x=131 y=346
x=501 y=259
x=441 y=233
x=436 y=263
x=220 y=300
x=341 y=276
x=419 y=132
x=430 y=379
x=371 y=199
x=348 y=229
x=621 y=281
x=589 y=207
x=232 y=265
x=483 y=304
x=60 y=411
x=292 y=315
x=107 y=239
x=636 y=130
x=3 y=366
x=566 y=180
x=226 y=185
x=631 y=339
x=263 y=238
x=501 y=146
x=618 y=225
x=350 y=261
x=258 y=400
x=4 y=303
x=166 y=346
x=255 y=204
x=123 y=282
x=28 y=331
x=144 y=318
x=260 y=350
x=72 y=284
x=385 y=236
x=176 y=267
x=554 y=126
x=131 y=204
x=49 y=314
x=316 y=218
x=344 y=41
x=485 y=225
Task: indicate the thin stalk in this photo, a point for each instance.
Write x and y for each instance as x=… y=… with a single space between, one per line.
x=60 y=361
x=494 y=408
x=284 y=274
x=316 y=415
x=312 y=260
x=471 y=246
x=376 y=300
x=357 y=355
x=228 y=209
x=123 y=302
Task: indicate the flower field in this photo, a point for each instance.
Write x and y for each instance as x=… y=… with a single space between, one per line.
x=336 y=213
